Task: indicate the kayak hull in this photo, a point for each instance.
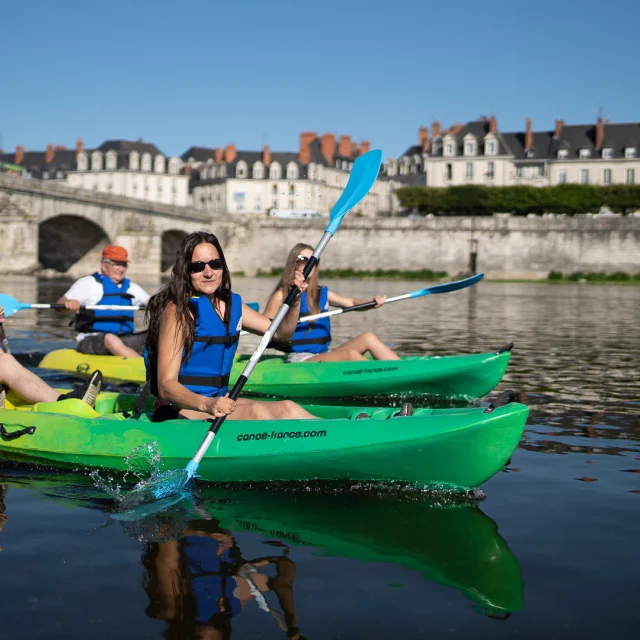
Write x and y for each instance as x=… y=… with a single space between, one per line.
x=464 y=377
x=455 y=449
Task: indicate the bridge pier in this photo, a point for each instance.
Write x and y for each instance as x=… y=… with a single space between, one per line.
x=145 y=252
x=18 y=244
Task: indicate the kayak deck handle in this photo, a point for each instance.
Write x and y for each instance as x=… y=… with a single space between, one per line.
x=13 y=435
x=506 y=397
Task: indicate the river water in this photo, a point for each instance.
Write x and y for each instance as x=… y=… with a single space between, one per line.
x=550 y=551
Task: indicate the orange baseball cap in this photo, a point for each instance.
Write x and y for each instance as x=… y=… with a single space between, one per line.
x=113 y=252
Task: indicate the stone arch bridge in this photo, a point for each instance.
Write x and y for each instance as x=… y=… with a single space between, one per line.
x=50 y=226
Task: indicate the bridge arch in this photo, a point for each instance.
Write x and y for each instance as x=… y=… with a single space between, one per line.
x=70 y=244
x=171 y=240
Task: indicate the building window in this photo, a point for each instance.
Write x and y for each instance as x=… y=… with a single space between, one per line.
x=469 y=149
x=519 y=172
x=468 y=172
x=45 y=175
x=96 y=161
x=134 y=161
x=630 y=152
x=490 y=148
x=562 y=153
x=631 y=176
x=111 y=160
x=146 y=162
x=607 y=154
x=448 y=149
x=258 y=204
x=584 y=153
x=606 y=178
x=274 y=171
x=292 y=171
x=490 y=169
x=540 y=170
x=292 y=204
x=83 y=162
x=449 y=171
x=562 y=177
x=258 y=172
x=241 y=170
x=158 y=164
x=584 y=176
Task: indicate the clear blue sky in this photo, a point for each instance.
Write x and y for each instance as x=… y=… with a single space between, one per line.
x=212 y=73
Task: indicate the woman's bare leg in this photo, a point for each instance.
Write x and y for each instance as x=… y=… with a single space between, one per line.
x=24 y=382
x=356 y=348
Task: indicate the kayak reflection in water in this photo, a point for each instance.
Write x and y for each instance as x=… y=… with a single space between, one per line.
x=200 y=582
x=310 y=341
x=3 y=508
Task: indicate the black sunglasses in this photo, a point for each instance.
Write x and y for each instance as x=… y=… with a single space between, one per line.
x=198 y=267
x=302 y=259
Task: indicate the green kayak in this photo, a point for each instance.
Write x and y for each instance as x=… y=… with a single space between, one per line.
x=455 y=545
x=455 y=449
x=464 y=377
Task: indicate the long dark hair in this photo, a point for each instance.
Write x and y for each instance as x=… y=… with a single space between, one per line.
x=287 y=275
x=179 y=291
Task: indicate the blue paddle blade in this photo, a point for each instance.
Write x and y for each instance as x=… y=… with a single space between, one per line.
x=363 y=176
x=448 y=286
x=10 y=305
x=253 y=305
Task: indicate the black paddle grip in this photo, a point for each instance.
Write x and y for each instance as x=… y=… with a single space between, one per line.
x=361 y=307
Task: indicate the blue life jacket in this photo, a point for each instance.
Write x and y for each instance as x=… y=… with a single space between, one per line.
x=207 y=370
x=316 y=337
x=97 y=320
x=210 y=574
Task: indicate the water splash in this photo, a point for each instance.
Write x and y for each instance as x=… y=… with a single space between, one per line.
x=152 y=484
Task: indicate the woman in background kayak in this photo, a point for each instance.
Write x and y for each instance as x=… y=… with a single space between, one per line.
x=194 y=324
x=310 y=341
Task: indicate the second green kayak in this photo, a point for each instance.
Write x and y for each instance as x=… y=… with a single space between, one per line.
x=463 y=377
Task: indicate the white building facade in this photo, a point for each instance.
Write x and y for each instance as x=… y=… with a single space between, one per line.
x=477 y=153
x=255 y=182
x=120 y=167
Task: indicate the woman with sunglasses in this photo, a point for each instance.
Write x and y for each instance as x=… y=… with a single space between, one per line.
x=310 y=341
x=194 y=325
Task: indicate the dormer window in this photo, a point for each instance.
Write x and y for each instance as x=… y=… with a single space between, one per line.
x=630 y=152
x=241 y=169
x=82 y=161
x=585 y=153
x=111 y=160
x=530 y=154
x=490 y=148
x=146 y=162
x=258 y=170
x=275 y=171
x=607 y=154
x=96 y=161
x=292 y=171
x=469 y=148
x=448 y=149
x=562 y=153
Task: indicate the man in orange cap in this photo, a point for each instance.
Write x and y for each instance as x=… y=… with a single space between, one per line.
x=102 y=332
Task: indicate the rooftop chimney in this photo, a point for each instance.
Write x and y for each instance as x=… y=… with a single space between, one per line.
x=328 y=147
x=19 y=157
x=528 y=136
x=423 y=138
x=435 y=129
x=79 y=146
x=364 y=147
x=558 y=130
x=599 y=133
x=230 y=153
x=493 y=124
x=344 y=146
x=60 y=147
x=266 y=155
x=187 y=169
x=49 y=155
x=304 y=154
x=217 y=155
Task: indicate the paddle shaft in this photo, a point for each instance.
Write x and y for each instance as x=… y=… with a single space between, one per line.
x=364 y=306
x=266 y=339
x=3 y=339
x=90 y=307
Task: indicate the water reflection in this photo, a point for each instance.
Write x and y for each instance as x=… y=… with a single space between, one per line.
x=198 y=579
